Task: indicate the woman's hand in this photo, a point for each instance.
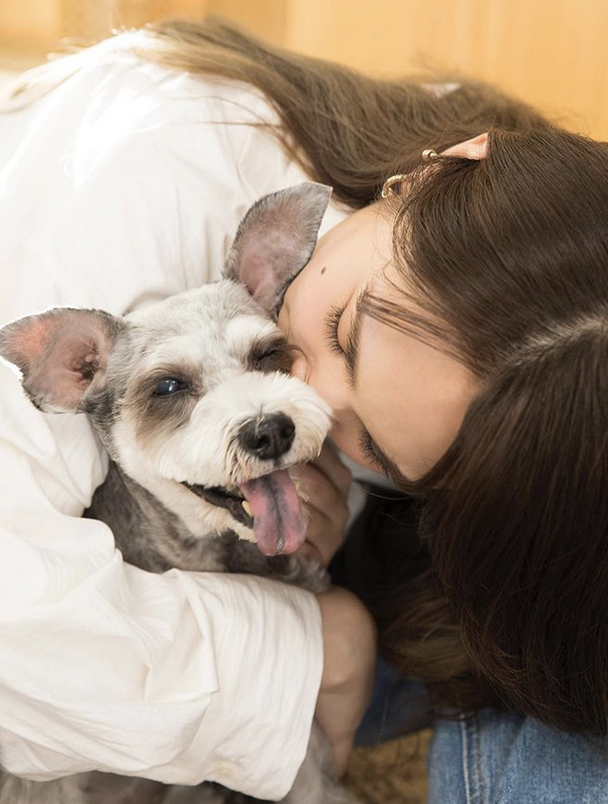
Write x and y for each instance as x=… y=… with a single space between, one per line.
x=325 y=482
x=349 y=649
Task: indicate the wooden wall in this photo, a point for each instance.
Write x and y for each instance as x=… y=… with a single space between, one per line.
x=552 y=53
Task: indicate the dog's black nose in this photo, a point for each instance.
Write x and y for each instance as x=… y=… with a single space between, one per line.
x=267 y=437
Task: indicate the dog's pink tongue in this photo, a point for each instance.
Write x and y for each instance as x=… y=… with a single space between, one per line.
x=277 y=522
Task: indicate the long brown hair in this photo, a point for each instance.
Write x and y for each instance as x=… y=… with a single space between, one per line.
x=346 y=130
x=510 y=254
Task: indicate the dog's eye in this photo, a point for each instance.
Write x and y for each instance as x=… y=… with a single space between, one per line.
x=168 y=386
x=276 y=357
x=271 y=356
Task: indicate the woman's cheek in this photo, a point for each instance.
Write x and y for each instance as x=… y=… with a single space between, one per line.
x=339 y=434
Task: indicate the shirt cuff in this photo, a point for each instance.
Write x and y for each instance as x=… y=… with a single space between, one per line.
x=269 y=660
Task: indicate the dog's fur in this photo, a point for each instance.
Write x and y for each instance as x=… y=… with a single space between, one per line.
x=191 y=399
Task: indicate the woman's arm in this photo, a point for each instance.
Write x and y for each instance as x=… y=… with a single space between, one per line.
x=349 y=647
x=349 y=633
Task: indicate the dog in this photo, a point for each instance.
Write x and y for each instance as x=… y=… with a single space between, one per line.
x=193 y=402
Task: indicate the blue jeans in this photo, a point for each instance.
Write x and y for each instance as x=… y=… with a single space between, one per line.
x=491 y=757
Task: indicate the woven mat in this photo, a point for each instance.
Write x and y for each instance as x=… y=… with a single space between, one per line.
x=391 y=773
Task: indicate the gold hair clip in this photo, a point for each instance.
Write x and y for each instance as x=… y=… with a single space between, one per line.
x=388 y=188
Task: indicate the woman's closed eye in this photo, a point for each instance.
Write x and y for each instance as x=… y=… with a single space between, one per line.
x=349 y=351
x=376 y=458
x=367 y=447
x=332 y=322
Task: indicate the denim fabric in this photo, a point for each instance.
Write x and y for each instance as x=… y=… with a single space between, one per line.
x=506 y=758
x=398 y=706
x=491 y=757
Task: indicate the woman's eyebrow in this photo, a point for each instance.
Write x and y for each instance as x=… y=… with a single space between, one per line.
x=351 y=353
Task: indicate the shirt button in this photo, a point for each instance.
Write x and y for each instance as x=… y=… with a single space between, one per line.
x=224 y=769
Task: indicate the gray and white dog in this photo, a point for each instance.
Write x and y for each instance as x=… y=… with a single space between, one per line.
x=192 y=400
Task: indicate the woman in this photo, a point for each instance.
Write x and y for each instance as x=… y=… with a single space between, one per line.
x=456 y=327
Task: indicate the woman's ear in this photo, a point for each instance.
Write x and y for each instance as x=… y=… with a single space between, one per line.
x=475 y=148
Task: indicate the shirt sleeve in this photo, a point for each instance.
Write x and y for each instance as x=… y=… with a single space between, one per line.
x=120 y=191
x=180 y=677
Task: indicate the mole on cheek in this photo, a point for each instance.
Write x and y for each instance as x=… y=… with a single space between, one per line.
x=323 y=269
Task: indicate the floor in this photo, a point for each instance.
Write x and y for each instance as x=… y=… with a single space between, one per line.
x=391 y=773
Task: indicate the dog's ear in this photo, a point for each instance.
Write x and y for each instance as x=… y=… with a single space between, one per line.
x=60 y=353
x=275 y=240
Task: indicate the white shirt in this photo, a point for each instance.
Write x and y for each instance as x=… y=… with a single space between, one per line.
x=123 y=185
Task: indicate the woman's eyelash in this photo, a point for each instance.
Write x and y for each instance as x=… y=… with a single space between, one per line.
x=331 y=329
x=367 y=448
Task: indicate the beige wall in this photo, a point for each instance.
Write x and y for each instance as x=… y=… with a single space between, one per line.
x=28 y=25
x=552 y=53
